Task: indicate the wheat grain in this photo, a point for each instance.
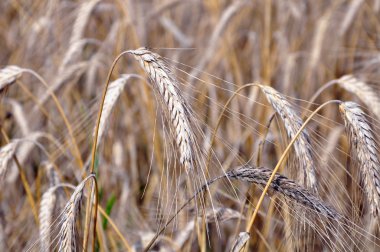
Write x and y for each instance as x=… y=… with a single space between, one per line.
x=167 y=86
x=361 y=89
x=364 y=149
x=293 y=122
x=284 y=186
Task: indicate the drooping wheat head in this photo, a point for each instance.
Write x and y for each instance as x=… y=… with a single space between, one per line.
x=166 y=84
x=364 y=150
x=293 y=122
x=286 y=187
x=8 y=75
x=365 y=93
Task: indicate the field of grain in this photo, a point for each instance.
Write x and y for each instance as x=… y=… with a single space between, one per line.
x=169 y=125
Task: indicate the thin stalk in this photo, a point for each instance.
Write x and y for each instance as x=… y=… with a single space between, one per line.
x=95 y=213
x=94 y=147
x=318 y=93
x=262 y=144
x=115 y=228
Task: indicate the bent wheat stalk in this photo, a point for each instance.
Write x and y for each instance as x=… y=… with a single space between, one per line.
x=364 y=148
x=166 y=84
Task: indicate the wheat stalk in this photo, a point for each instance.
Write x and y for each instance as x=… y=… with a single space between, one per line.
x=167 y=86
x=8 y=75
x=293 y=122
x=365 y=93
x=364 y=147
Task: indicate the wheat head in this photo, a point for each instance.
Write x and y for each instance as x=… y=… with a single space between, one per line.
x=167 y=86
x=364 y=149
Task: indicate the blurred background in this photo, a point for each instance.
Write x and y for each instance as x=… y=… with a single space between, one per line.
x=213 y=47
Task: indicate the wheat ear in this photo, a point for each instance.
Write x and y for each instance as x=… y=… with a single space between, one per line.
x=364 y=149
x=47 y=205
x=84 y=13
x=8 y=75
x=240 y=242
x=365 y=93
x=6 y=154
x=284 y=186
x=67 y=233
x=166 y=84
x=114 y=90
x=293 y=122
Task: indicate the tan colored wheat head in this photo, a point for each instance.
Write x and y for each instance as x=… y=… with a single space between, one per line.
x=6 y=154
x=167 y=86
x=364 y=150
x=286 y=187
x=114 y=90
x=68 y=233
x=365 y=93
x=293 y=122
x=47 y=205
x=8 y=75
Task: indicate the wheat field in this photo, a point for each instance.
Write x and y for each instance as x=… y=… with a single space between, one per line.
x=169 y=125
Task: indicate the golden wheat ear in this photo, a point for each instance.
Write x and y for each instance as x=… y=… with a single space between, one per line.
x=68 y=232
x=8 y=75
x=47 y=206
x=364 y=150
x=285 y=187
x=114 y=90
x=362 y=90
x=293 y=122
x=6 y=154
x=165 y=82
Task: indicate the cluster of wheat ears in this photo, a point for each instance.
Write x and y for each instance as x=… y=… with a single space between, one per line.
x=208 y=165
